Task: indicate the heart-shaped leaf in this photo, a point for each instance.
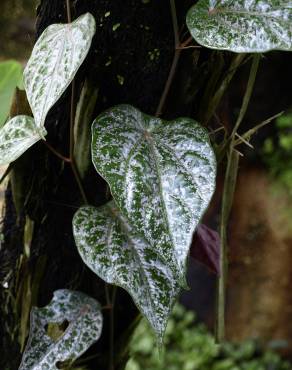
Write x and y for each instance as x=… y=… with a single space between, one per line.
x=161 y=175
x=16 y=136
x=55 y=59
x=119 y=255
x=242 y=26
x=85 y=324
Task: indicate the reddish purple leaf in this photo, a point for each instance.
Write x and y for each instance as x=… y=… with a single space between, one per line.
x=206 y=248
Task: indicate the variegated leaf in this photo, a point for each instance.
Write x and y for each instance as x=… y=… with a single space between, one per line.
x=16 y=136
x=111 y=248
x=242 y=26
x=85 y=324
x=55 y=59
x=161 y=175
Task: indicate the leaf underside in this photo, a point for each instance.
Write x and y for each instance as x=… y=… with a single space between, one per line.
x=161 y=175
x=115 y=252
x=85 y=325
x=16 y=136
x=242 y=26
x=55 y=59
x=206 y=248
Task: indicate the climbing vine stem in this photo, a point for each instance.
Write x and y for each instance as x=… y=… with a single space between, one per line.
x=177 y=53
x=72 y=118
x=215 y=100
x=68 y=8
x=227 y=200
x=110 y=300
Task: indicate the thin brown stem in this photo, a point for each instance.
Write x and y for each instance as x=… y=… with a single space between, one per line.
x=215 y=100
x=55 y=152
x=112 y=327
x=168 y=82
x=78 y=181
x=68 y=7
x=247 y=135
x=174 y=23
x=188 y=47
x=72 y=119
x=110 y=303
x=174 y=64
x=185 y=44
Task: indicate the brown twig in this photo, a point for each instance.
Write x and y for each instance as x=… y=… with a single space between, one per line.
x=68 y=8
x=185 y=44
x=54 y=151
x=168 y=82
x=175 y=60
x=110 y=304
x=189 y=47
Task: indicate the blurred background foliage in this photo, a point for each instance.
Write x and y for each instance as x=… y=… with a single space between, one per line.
x=190 y=346
x=10 y=78
x=17 y=28
x=277 y=151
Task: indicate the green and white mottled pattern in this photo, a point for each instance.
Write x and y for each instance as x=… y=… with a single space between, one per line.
x=119 y=255
x=250 y=26
x=85 y=324
x=161 y=175
x=16 y=136
x=55 y=59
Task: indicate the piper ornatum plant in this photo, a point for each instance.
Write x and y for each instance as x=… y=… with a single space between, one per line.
x=161 y=173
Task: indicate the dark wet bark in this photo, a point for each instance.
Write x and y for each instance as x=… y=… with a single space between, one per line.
x=45 y=189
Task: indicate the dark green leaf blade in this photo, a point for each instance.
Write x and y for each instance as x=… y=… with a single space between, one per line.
x=161 y=175
x=242 y=26
x=119 y=255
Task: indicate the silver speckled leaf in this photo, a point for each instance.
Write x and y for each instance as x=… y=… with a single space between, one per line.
x=85 y=325
x=55 y=59
x=161 y=175
x=115 y=252
x=16 y=136
x=241 y=26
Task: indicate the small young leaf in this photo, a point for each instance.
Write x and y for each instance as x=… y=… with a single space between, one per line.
x=206 y=248
x=55 y=59
x=161 y=175
x=242 y=26
x=119 y=255
x=16 y=136
x=85 y=325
